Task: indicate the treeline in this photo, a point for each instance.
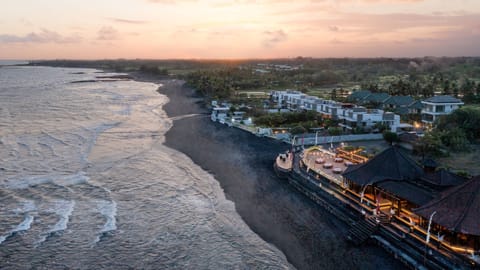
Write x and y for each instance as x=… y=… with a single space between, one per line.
x=154 y=70
x=428 y=86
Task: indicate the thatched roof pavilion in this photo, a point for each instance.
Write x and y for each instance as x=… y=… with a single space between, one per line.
x=457 y=209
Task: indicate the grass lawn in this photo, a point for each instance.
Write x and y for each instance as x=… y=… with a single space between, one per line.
x=467 y=162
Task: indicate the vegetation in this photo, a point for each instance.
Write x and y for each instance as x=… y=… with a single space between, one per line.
x=329 y=78
x=454 y=132
x=463 y=122
x=390 y=137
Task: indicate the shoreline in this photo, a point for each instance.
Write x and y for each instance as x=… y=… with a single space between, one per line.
x=308 y=236
x=243 y=165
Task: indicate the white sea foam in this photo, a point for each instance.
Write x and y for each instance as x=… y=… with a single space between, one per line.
x=109 y=211
x=64 y=210
x=27 y=182
x=73 y=179
x=24 y=226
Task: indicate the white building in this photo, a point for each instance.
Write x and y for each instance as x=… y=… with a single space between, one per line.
x=350 y=116
x=219 y=114
x=360 y=117
x=437 y=106
x=288 y=98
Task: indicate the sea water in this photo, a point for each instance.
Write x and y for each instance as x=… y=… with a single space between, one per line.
x=87 y=183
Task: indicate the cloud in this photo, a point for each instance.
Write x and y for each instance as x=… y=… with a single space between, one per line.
x=274 y=37
x=44 y=36
x=107 y=33
x=333 y=28
x=336 y=41
x=127 y=21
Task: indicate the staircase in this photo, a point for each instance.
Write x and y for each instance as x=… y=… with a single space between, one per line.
x=362 y=230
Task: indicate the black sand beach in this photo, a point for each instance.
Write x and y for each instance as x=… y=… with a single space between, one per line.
x=309 y=236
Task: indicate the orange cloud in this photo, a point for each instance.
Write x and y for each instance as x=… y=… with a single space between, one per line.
x=44 y=36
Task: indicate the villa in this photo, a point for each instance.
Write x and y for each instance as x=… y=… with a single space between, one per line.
x=437 y=106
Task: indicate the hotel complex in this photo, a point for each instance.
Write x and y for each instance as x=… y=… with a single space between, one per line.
x=350 y=115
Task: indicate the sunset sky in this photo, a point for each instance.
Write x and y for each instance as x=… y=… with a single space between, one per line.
x=81 y=29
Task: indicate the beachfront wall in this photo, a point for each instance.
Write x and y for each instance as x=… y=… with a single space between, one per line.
x=310 y=140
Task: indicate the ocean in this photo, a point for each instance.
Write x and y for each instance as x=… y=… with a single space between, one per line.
x=87 y=183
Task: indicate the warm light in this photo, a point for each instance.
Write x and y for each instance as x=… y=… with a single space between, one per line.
x=236 y=29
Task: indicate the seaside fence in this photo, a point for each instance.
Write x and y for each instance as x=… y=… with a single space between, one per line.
x=310 y=140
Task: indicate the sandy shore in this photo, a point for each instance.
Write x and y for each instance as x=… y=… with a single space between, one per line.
x=242 y=163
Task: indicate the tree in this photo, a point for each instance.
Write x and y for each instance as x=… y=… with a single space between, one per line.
x=466 y=118
x=333 y=94
x=298 y=130
x=390 y=137
x=429 y=145
x=334 y=131
x=455 y=139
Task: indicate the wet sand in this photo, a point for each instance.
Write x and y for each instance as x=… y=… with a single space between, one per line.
x=310 y=237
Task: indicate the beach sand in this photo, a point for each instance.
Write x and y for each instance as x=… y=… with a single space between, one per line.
x=310 y=237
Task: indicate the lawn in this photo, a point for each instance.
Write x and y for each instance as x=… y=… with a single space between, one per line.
x=467 y=162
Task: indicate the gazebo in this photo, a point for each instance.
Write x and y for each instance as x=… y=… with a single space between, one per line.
x=456 y=212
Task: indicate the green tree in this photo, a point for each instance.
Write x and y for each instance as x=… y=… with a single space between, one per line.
x=429 y=145
x=298 y=130
x=334 y=131
x=467 y=119
x=390 y=137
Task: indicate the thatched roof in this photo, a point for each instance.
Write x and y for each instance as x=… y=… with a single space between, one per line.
x=444 y=178
x=391 y=164
x=408 y=191
x=457 y=209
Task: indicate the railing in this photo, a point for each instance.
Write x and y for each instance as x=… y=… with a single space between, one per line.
x=336 y=139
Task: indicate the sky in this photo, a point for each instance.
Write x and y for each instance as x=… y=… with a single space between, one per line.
x=201 y=29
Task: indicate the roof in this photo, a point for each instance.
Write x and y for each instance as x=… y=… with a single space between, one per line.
x=401 y=110
x=457 y=209
x=399 y=100
x=407 y=191
x=443 y=99
x=390 y=164
x=444 y=178
x=416 y=105
x=357 y=95
x=376 y=97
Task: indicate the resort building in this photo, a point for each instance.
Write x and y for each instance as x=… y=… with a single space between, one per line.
x=397 y=102
x=360 y=117
x=358 y=96
x=350 y=115
x=401 y=105
x=287 y=98
x=423 y=200
x=456 y=213
x=437 y=106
